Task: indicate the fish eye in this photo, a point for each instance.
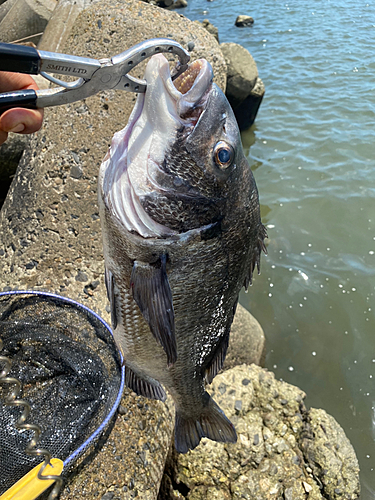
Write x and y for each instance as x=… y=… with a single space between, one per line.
x=223 y=155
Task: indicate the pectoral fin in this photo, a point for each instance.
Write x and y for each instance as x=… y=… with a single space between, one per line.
x=110 y=285
x=153 y=295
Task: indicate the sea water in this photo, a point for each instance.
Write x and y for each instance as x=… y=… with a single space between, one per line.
x=312 y=150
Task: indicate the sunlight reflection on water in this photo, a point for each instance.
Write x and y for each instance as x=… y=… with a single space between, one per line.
x=312 y=151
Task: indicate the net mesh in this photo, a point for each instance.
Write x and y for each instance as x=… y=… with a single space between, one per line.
x=70 y=369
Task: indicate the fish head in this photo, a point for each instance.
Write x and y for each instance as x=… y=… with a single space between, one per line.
x=179 y=162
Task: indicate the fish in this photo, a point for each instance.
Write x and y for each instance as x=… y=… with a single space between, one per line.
x=182 y=234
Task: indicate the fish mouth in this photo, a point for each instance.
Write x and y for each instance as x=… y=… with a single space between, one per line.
x=185 y=96
x=193 y=86
x=133 y=167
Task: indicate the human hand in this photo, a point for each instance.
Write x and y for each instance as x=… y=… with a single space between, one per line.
x=20 y=120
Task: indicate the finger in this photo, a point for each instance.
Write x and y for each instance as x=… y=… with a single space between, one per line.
x=21 y=120
x=16 y=81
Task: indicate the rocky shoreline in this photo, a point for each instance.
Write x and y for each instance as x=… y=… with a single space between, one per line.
x=51 y=240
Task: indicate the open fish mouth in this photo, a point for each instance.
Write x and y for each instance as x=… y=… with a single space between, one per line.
x=186 y=80
x=185 y=94
x=193 y=85
x=133 y=166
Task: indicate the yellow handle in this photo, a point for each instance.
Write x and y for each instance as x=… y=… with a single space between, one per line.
x=30 y=486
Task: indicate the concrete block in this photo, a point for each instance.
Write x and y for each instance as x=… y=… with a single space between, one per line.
x=60 y=24
x=5 y=7
x=26 y=18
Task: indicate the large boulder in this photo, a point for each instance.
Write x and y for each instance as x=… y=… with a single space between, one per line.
x=245 y=89
x=247 y=342
x=284 y=451
x=50 y=235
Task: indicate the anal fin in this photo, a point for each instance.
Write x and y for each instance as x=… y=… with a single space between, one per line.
x=110 y=285
x=212 y=423
x=142 y=387
x=153 y=295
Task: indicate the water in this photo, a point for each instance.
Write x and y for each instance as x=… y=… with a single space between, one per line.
x=312 y=151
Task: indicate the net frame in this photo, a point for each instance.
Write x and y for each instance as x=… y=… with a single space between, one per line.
x=82 y=450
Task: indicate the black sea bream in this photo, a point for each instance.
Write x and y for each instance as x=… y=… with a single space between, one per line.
x=181 y=234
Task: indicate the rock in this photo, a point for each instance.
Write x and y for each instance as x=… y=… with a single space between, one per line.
x=243 y=21
x=283 y=449
x=58 y=28
x=247 y=111
x=210 y=28
x=5 y=7
x=26 y=18
x=10 y=155
x=56 y=214
x=246 y=341
x=245 y=89
x=242 y=72
x=11 y=152
x=163 y=3
x=179 y=4
x=130 y=462
x=326 y=448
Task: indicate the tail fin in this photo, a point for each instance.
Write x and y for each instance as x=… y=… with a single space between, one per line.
x=212 y=423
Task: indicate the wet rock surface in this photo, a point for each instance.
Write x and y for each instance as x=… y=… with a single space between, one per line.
x=245 y=89
x=284 y=451
x=247 y=110
x=243 y=21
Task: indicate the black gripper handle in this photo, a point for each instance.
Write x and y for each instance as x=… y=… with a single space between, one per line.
x=19 y=59
x=18 y=99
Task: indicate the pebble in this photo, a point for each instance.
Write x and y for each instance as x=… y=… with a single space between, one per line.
x=307 y=487
x=108 y=496
x=81 y=276
x=122 y=410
